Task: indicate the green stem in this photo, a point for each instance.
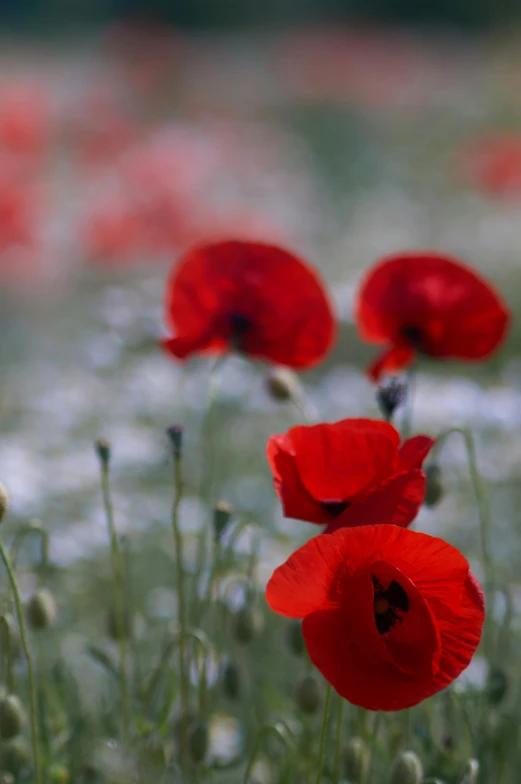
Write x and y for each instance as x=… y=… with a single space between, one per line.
x=323 y=734
x=407 y=417
x=338 y=741
x=181 y=599
x=374 y=735
x=119 y=592
x=38 y=771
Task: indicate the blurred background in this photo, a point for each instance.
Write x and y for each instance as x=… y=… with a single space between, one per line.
x=345 y=131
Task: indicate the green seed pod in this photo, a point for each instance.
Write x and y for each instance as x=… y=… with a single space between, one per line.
x=244 y=625
x=471 y=772
x=60 y=774
x=281 y=383
x=12 y=716
x=435 y=488
x=355 y=756
x=15 y=756
x=222 y=513
x=41 y=609
x=4 y=502
x=231 y=680
x=308 y=695
x=198 y=740
x=407 y=769
x=497 y=685
x=295 y=638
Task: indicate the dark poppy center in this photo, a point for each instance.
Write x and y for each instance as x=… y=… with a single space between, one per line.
x=335 y=508
x=389 y=605
x=414 y=336
x=239 y=326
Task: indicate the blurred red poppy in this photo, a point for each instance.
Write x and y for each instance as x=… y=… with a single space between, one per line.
x=492 y=164
x=427 y=303
x=257 y=299
x=350 y=473
x=391 y=616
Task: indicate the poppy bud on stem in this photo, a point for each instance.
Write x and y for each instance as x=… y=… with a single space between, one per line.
x=407 y=769
x=175 y=433
x=103 y=450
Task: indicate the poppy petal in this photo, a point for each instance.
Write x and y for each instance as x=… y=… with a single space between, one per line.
x=295 y=499
x=338 y=462
x=396 y=501
x=292 y=593
x=396 y=358
x=413 y=452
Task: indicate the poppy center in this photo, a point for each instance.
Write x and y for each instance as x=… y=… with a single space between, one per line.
x=239 y=326
x=389 y=606
x=414 y=336
x=335 y=508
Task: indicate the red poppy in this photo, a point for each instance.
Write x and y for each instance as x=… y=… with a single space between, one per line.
x=492 y=164
x=391 y=616
x=350 y=473
x=427 y=303
x=255 y=298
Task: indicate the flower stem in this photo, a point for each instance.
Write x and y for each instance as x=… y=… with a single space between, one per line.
x=181 y=599
x=119 y=591
x=374 y=735
x=323 y=734
x=338 y=741
x=38 y=771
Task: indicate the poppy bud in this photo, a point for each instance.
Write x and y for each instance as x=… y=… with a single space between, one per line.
x=103 y=449
x=113 y=625
x=15 y=756
x=9 y=635
x=231 y=680
x=471 y=772
x=222 y=513
x=497 y=684
x=391 y=395
x=244 y=625
x=12 y=716
x=198 y=740
x=60 y=774
x=308 y=694
x=356 y=760
x=175 y=434
x=41 y=609
x=4 y=502
x=295 y=637
x=434 y=489
x=281 y=383
x=407 y=769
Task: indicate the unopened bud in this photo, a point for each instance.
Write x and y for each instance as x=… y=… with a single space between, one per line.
x=390 y=396
x=103 y=450
x=282 y=384
x=308 y=694
x=12 y=716
x=41 y=609
x=15 y=756
x=4 y=502
x=9 y=635
x=175 y=434
x=231 y=680
x=356 y=760
x=497 y=684
x=60 y=774
x=434 y=489
x=222 y=513
x=244 y=625
x=198 y=739
x=407 y=769
x=471 y=772
x=295 y=638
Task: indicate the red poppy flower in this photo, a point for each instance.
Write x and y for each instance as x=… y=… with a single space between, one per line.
x=492 y=164
x=427 y=303
x=351 y=473
x=391 y=616
x=256 y=298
